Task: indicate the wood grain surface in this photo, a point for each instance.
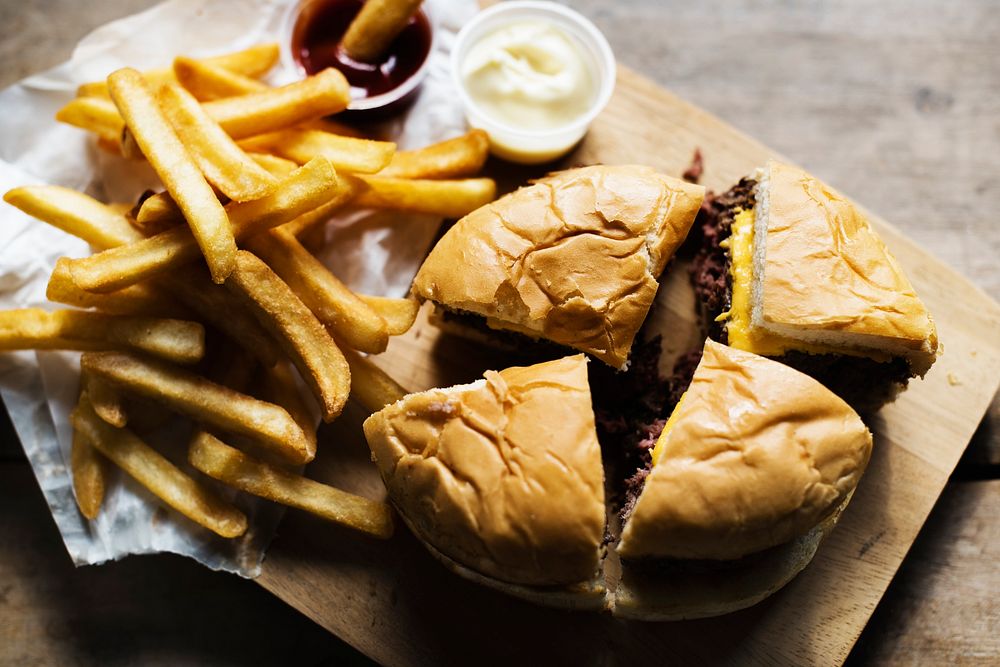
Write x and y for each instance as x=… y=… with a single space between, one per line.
x=893 y=102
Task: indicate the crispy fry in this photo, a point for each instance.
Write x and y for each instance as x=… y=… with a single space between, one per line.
x=376 y=25
x=310 y=186
x=173 y=164
x=223 y=163
x=36 y=329
x=75 y=213
x=276 y=166
x=346 y=153
x=106 y=400
x=370 y=385
x=455 y=158
x=231 y=466
x=281 y=389
x=204 y=401
x=222 y=310
x=450 y=199
x=158 y=213
x=94 y=114
x=253 y=62
x=399 y=314
x=139 y=299
x=207 y=82
x=273 y=109
x=334 y=305
x=90 y=472
x=297 y=330
x=160 y=476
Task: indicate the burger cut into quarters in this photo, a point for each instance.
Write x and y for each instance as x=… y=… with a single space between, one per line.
x=573 y=258
x=792 y=270
x=748 y=475
x=502 y=479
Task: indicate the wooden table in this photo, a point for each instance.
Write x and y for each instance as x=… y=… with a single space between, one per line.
x=895 y=104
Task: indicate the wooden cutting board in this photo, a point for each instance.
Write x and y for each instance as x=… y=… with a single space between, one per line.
x=392 y=601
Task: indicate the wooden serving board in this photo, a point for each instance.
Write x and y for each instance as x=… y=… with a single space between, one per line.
x=392 y=601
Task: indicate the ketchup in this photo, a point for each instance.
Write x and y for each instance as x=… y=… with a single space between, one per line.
x=316 y=45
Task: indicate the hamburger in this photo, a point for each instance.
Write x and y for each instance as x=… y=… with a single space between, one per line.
x=573 y=259
x=502 y=480
x=790 y=269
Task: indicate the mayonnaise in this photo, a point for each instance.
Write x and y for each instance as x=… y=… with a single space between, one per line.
x=529 y=75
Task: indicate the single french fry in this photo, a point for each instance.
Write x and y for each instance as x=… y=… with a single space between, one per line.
x=158 y=213
x=36 y=329
x=345 y=153
x=231 y=466
x=372 y=387
x=218 y=307
x=90 y=474
x=254 y=62
x=454 y=158
x=276 y=166
x=398 y=314
x=98 y=115
x=207 y=82
x=312 y=185
x=223 y=163
x=106 y=400
x=333 y=303
x=281 y=389
x=75 y=213
x=202 y=400
x=376 y=25
x=273 y=109
x=139 y=299
x=165 y=480
x=449 y=199
x=298 y=332
x=205 y=216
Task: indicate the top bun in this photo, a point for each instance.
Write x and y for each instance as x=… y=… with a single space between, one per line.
x=573 y=258
x=851 y=291
x=758 y=454
x=503 y=475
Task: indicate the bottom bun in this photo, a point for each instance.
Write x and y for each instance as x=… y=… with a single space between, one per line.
x=683 y=594
x=584 y=596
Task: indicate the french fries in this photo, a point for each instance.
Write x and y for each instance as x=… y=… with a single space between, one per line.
x=253 y=62
x=398 y=314
x=376 y=25
x=273 y=109
x=165 y=480
x=204 y=401
x=299 y=333
x=74 y=213
x=94 y=114
x=223 y=163
x=36 y=329
x=211 y=82
x=138 y=299
x=90 y=473
x=173 y=164
x=234 y=468
x=372 y=387
x=449 y=199
x=158 y=213
x=345 y=153
x=310 y=186
x=281 y=389
x=276 y=166
x=334 y=305
x=105 y=399
x=454 y=158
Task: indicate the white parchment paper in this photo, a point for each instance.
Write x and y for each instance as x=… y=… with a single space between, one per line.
x=374 y=253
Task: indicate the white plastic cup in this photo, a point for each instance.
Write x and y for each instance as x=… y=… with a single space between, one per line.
x=525 y=145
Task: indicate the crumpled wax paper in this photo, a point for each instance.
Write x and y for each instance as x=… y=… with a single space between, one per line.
x=373 y=253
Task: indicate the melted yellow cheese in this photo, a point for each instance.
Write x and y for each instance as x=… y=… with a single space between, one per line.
x=658 y=447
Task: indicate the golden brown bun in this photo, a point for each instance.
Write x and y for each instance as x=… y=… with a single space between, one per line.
x=502 y=476
x=686 y=592
x=573 y=258
x=758 y=455
x=851 y=291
